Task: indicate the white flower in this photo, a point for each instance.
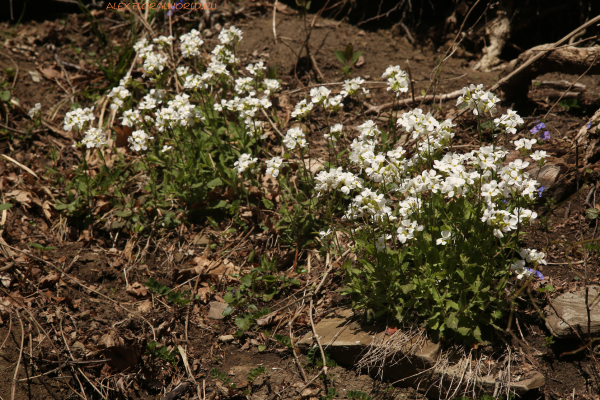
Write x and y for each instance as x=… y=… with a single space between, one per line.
x=155 y=63
x=397 y=79
x=351 y=86
x=245 y=162
x=273 y=166
x=520 y=270
x=164 y=41
x=35 y=111
x=477 y=100
x=182 y=70
x=94 y=138
x=381 y=242
x=256 y=69
x=302 y=109
x=230 y=36
x=444 y=239
x=295 y=137
x=509 y=121
x=190 y=44
x=538 y=155
x=319 y=95
x=130 y=117
x=78 y=119
x=272 y=85
x=166 y=148
x=138 y=140
x=324 y=234
x=524 y=143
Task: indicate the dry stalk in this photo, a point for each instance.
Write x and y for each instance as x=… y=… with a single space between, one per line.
x=14 y=381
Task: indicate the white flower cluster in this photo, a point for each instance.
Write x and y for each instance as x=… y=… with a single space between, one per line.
x=118 y=95
x=139 y=140
x=352 y=86
x=243 y=85
x=254 y=128
x=320 y=96
x=504 y=221
x=369 y=203
x=130 y=118
x=245 y=162
x=509 y=121
x=77 y=119
x=256 y=69
x=524 y=143
x=272 y=85
x=190 y=44
x=246 y=107
x=223 y=56
x=334 y=131
x=151 y=100
x=230 y=36
x=530 y=256
x=302 y=109
x=154 y=63
x=182 y=70
x=143 y=48
x=273 y=166
x=295 y=137
x=164 y=41
x=397 y=79
x=35 y=111
x=479 y=101
x=336 y=179
x=179 y=112
x=94 y=138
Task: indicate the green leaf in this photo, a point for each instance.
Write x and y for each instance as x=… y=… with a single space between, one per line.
x=268 y=203
x=214 y=183
x=355 y=57
x=246 y=280
x=261 y=348
x=228 y=310
x=5 y=206
x=5 y=95
x=339 y=54
x=348 y=53
x=592 y=213
x=124 y=214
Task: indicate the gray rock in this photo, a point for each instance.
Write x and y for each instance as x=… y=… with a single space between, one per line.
x=226 y=338
x=216 y=310
x=571 y=307
x=347 y=341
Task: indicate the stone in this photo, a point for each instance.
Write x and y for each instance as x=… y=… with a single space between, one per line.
x=226 y=338
x=571 y=307
x=216 y=310
x=347 y=342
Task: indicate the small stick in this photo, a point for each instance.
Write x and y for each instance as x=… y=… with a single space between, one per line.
x=20 y=165
x=312 y=325
x=14 y=381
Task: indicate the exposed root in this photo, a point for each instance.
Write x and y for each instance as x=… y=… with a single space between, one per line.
x=498 y=32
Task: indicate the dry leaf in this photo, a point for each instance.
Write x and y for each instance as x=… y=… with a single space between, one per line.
x=21 y=196
x=145 y=307
x=123 y=133
x=137 y=289
x=50 y=73
x=49 y=280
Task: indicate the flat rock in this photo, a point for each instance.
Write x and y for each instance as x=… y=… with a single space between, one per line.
x=226 y=338
x=216 y=310
x=571 y=307
x=347 y=342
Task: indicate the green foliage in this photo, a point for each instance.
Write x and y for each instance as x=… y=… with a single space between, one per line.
x=567 y=104
x=548 y=341
x=255 y=373
x=156 y=351
x=5 y=206
x=176 y=298
x=331 y=393
x=40 y=247
x=259 y=285
x=284 y=340
x=347 y=57
x=220 y=376
x=314 y=358
x=358 y=395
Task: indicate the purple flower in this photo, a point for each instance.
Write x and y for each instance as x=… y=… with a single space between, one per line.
x=537 y=273
x=589 y=125
x=173 y=7
x=545 y=135
x=541 y=190
x=537 y=128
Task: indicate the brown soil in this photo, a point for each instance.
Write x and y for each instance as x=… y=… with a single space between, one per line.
x=104 y=264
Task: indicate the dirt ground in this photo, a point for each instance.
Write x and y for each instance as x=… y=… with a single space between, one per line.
x=74 y=301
